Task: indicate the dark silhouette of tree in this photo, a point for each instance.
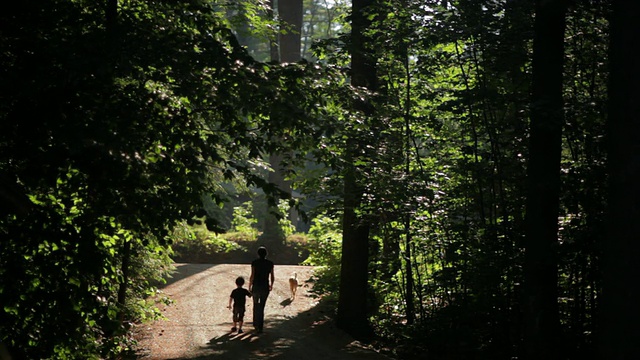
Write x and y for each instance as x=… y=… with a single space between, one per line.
x=541 y=322
x=290 y=13
x=620 y=313
x=287 y=49
x=352 y=303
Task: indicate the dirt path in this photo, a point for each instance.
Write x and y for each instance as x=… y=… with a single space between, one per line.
x=198 y=323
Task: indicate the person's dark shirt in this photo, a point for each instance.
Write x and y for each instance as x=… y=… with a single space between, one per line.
x=262 y=268
x=239 y=296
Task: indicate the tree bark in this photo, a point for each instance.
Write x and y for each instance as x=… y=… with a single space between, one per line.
x=541 y=322
x=287 y=50
x=124 y=285
x=410 y=304
x=274 y=52
x=352 y=299
x=620 y=314
x=352 y=302
x=290 y=12
x=111 y=14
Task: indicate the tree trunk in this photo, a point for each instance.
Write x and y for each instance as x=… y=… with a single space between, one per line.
x=541 y=321
x=408 y=268
x=274 y=52
x=111 y=14
x=124 y=285
x=410 y=313
x=352 y=301
x=287 y=50
x=290 y=12
x=621 y=249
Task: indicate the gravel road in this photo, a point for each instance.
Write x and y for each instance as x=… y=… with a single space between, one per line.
x=198 y=324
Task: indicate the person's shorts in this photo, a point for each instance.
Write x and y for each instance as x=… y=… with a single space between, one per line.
x=238 y=313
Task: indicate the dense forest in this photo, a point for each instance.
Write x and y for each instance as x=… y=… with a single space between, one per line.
x=466 y=172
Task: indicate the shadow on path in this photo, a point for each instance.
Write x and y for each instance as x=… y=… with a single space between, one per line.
x=198 y=323
x=311 y=335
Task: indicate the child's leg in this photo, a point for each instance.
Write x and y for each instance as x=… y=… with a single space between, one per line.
x=235 y=320
x=240 y=319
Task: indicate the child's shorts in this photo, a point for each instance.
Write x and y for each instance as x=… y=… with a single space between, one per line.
x=238 y=313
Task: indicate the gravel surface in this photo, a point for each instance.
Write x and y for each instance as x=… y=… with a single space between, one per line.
x=198 y=324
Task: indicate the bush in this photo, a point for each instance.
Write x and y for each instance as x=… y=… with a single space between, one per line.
x=325 y=248
x=195 y=243
x=244 y=222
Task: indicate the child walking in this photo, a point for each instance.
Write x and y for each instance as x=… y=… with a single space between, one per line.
x=238 y=297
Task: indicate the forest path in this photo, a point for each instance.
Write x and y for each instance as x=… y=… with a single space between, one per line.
x=198 y=324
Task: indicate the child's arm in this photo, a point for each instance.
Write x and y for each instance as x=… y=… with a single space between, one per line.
x=230 y=300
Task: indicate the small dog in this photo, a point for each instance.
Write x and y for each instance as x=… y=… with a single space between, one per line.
x=293 y=285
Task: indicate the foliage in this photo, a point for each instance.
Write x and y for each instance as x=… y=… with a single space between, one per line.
x=324 y=246
x=322 y=21
x=244 y=222
x=284 y=222
x=299 y=243
x=198 y=244
x=66 y=302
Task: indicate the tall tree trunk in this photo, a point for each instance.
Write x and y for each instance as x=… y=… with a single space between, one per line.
x=411 y=313
x=124 y=285
x=111 y=16
x=621 y=249
x=287 y=50
x=274 y=53
x=541 y=321
x=352 y=301
x=290 y=12
x=408 y=268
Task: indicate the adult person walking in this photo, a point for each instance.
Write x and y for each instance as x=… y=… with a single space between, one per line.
x=260 y=284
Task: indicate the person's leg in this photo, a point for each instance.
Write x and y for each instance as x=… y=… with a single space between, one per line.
x=256 y=302
x=259 y=301
x=263 y=301
x=256 y=308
